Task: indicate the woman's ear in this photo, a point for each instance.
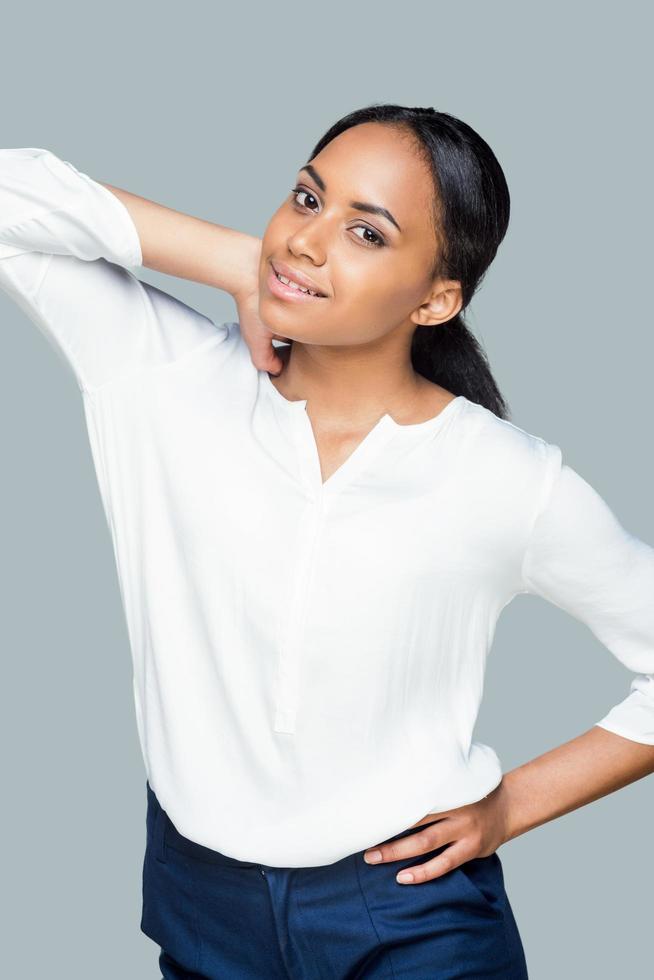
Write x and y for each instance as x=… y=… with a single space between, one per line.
x=444 y=301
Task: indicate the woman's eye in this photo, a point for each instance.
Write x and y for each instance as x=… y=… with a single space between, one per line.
x=377 y=243
x=298 y=190
x=379 y=240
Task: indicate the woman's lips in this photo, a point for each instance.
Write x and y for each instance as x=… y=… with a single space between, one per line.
x=280 y=289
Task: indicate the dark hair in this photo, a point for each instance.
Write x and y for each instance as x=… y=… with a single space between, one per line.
x=470 y=217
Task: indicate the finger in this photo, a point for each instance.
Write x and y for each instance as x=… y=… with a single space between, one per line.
x=428 y=820
x=264 y=356
x=454 y=855
x=431 y=818
x=405 y=847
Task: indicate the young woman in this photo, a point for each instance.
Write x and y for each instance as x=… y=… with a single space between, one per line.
x=312 y=567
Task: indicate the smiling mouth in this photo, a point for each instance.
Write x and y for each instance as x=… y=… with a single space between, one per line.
x=295 y=285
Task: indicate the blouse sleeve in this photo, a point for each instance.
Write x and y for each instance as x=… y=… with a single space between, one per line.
x=66 y=246
x=582 y=559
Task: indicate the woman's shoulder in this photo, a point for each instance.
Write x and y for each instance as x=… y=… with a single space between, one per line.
x=502 y=449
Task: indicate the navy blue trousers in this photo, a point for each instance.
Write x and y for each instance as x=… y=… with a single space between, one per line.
x=216 y=918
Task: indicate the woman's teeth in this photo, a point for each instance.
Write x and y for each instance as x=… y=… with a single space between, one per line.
x=294 y=285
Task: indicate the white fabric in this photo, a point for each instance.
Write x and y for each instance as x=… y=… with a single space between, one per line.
x=308 y=659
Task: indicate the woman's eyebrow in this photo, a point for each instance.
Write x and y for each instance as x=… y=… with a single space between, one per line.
x=358 y=205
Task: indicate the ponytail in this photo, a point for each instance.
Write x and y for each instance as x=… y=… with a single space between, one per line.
x=452 y=357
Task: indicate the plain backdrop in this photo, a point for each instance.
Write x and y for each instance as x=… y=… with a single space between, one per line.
x=211 y=109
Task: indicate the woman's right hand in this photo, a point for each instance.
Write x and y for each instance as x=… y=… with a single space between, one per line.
x=256 y=334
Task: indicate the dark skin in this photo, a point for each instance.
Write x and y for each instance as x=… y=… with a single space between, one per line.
x=349 y=355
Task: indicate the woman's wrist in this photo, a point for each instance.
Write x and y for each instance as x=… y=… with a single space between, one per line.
x=246 y=275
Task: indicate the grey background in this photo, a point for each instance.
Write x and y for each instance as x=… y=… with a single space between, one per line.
x=211 y=111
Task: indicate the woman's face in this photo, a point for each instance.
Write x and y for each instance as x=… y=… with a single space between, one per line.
x=373 y=274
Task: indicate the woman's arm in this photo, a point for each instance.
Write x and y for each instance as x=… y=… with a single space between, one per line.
x=581 y=558
x=594 y=764
x=66 y=247
x=590 y=766
x=192 y=248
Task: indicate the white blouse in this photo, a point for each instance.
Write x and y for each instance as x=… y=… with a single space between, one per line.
x=308 y=657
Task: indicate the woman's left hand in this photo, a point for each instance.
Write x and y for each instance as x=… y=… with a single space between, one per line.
x=474 y=830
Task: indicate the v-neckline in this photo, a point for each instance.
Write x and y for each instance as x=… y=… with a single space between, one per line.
x=378 y=436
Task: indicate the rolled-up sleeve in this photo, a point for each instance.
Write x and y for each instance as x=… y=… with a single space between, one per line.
x=581 y=558
x=67 y=245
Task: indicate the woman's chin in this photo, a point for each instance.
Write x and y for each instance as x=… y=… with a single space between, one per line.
x=281 y=322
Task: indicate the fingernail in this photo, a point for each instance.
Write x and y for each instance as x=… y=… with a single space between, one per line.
x=404 y=876
x=372 y=857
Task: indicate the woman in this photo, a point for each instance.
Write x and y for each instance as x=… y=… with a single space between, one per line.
x=312 y=568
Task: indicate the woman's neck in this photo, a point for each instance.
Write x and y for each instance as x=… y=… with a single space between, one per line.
x=355 y=390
